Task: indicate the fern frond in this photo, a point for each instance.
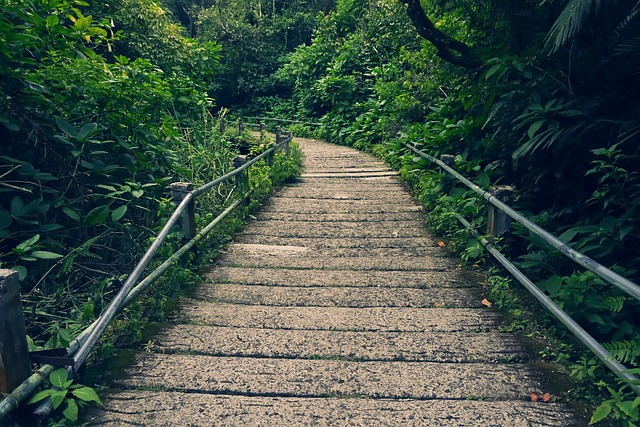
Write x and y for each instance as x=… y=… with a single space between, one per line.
x=570 y=22
x=614 y=304
x=624 y=351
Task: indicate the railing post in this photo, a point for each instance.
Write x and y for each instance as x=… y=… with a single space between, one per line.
x=278 y=131
x=262 y=131
x=223 y=126
x=449 y=160
x=240 y=127
x=286 y=144
x=14 y=352
x=179 y=191
x=242 y=179
x=498 y=222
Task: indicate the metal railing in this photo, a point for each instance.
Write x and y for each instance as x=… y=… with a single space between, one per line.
x=300 y=122
x=611 y=277
x=80 y=348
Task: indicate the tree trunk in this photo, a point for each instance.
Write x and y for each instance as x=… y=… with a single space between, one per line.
x=449 y=49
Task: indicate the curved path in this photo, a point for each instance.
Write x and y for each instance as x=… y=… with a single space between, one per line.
x=334 y=307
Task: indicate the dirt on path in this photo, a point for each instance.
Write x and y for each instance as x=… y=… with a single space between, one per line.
x=335 y=307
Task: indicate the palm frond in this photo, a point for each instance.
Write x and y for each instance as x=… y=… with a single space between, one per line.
x=570 y=23
x=617 y=34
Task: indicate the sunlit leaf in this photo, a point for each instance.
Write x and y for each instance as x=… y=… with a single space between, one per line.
x=87 y=394
x=59 y=377
x=601 y=413
x=118 y=213
x=71 y=411
x=45 y=255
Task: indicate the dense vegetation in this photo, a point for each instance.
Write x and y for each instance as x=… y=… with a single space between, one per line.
x=104 y=104
x=102 y=107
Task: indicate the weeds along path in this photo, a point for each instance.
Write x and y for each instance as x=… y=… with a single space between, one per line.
x=334 y=307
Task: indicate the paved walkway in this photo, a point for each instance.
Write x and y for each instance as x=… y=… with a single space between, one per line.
x=335 y=307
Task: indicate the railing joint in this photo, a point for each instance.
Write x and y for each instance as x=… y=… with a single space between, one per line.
x=498 y=222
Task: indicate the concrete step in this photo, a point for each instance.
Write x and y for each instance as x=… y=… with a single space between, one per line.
x=378 y=182
x=414 y=254
x=201 y=409
x=341 y=345
x=329 y=378
x=352 y=217
x=361 y=263
x=339 y=297
x=342 y=278
x=394 y=229
x=336 y=242
x=301 y=206
x=322 y=174
x=383 y=319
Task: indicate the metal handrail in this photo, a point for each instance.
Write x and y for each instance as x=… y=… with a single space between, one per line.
x=583 y=336
x=81 y=346
x=284 y=121
x=595 y=267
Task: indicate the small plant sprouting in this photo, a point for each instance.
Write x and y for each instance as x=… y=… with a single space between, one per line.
x=64 y=390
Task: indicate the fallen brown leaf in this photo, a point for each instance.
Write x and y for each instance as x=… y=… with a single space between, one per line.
x=442 y=244
x=536 y=396
x=487 y=303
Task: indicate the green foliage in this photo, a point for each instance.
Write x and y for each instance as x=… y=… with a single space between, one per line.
x=64 y=391
x=91 y=138
x=254 y=36
x=623 y=406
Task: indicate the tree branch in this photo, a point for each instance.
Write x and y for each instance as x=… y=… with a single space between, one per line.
x=449 y=49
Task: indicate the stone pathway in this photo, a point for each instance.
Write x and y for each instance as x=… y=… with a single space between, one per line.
x=335 y=307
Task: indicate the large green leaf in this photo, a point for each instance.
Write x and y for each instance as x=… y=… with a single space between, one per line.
x=71 y=213
x=87 y=394
x=41 y=395
x=87 y=129
x=97 y=215
x=26 y=245
x=66 y=127
x=45 y=255
x=71 y=411
x=17 y=207
x=57 y=397
x=601 y=413
x=59 y=377
x=118 y=213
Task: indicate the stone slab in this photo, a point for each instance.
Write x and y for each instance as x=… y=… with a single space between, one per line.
x=157 y=409
x=356 y=263
x=412 y=254
x=319 y=174
x=336 y=242
x=329 y=378
x=342 y=278
x=339 y=297
x=352 y=217
x=392 y=229
x=384 y=319
x=345 y=345
x=275 y=204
